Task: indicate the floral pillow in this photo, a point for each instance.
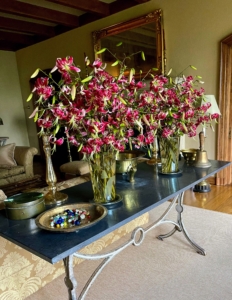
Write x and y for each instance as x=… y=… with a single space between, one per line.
x=7 y=156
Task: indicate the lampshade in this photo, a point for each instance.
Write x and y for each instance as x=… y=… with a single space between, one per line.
x=214 y=107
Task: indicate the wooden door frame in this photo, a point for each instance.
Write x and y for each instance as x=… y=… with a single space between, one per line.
x=224 y=149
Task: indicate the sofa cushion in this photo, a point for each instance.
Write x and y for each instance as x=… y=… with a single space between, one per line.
x=2 y=196
x=7 y=156
x=77 y=167
x=11 y=171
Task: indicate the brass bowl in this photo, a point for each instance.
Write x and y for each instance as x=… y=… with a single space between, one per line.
x=189 y=155
x=24 y=205
x=127 y=159
x=97 y=212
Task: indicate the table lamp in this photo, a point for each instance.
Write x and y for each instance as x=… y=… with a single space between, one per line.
x=202 y=158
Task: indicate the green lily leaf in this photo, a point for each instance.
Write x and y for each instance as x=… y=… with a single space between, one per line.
x=57 y=129
x=155 y=69
x=53 y=99
x=115 y=63
x=143 y=55
x=35 y=73
x=130 y=144
x=120 y=76
x=132 y=72
x=101 y=51
x=29 y=97
x=80 y=147
x=122 y=100
x=73 y=92
x=194 y=68
x=119 y=44
x=36 y=117
x=169 y=72
x=87 y=79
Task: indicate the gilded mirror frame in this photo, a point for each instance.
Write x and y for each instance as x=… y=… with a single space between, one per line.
x=153 y=17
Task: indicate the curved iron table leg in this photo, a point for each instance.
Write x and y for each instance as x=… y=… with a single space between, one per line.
x=70 y=280
x=181 y=227
x=136 y=239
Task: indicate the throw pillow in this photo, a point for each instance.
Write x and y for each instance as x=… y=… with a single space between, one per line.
x=2 y=195
x=7 y=156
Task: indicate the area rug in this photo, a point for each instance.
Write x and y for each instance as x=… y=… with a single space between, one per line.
x=164 y=270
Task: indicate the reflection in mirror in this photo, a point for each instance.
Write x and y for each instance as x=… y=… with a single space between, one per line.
x=141 y=34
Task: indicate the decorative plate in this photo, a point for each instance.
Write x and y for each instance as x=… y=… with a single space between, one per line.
x=93 y=214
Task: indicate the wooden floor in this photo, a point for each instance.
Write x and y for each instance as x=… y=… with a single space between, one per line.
x=218 y=199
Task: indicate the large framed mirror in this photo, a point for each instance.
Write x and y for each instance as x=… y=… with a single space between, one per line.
x=144 y=33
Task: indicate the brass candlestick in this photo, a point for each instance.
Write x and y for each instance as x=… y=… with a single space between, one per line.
x=202 y=162
x=202 y=159
x=53 y=196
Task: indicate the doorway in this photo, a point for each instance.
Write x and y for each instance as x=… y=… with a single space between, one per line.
x=224 y=140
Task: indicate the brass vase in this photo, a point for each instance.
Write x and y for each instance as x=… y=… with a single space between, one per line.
x=53 y=197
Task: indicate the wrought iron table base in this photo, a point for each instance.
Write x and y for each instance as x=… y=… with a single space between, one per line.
x=137 y=238
x=181 y=228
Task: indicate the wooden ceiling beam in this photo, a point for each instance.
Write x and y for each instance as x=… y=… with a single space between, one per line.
x=39 y=13
x=10 y=46
x=16 y=34
x=120 y=5
x=22 y=39
x=88 y=18
x=91 y=6
x=28 y=27
x=142 y=1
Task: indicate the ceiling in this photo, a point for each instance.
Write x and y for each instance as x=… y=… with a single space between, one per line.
x=27 y=22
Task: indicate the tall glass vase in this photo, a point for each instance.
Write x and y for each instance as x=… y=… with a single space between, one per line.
x=53 y=196
x=169 y=152
x=102 y=170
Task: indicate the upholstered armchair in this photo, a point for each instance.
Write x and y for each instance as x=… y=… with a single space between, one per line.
x=21 y=167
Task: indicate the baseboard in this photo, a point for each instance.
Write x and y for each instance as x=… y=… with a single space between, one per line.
x=211 y=180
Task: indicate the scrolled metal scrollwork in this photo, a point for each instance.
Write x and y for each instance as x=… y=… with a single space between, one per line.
x=137 y=237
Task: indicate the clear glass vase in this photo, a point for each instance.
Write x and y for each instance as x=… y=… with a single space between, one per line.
x=102 y=170
x=169 y=153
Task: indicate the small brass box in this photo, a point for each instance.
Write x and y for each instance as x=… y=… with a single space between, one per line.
x=24 y=205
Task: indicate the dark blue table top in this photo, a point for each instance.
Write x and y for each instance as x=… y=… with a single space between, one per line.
x=149 y=190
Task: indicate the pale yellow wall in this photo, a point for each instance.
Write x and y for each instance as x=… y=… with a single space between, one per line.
x=193 y=30
x=11 y=105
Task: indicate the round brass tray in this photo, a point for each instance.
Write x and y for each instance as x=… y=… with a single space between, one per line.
x=97 y=212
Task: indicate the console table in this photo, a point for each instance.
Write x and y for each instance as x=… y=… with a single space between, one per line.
x=149 y=191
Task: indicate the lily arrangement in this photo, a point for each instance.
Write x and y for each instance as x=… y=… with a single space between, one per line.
x=100 y=112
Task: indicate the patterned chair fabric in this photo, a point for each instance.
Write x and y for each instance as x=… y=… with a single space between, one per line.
x=24 y=158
